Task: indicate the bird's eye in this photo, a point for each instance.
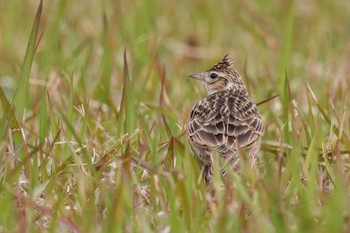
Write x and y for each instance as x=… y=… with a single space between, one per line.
x=213 y=76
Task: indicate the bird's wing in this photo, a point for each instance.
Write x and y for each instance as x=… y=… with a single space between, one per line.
x=244 y=123
x=225 y=121
x=204 y=129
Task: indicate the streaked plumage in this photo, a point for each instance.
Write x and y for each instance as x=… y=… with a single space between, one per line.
x=226 y=120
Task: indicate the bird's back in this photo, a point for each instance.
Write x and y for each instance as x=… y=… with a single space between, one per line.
x=226 y=121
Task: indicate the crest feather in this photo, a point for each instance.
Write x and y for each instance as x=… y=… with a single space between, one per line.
x=224 y=63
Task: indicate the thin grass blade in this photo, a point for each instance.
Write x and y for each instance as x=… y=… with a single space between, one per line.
x=22 y=95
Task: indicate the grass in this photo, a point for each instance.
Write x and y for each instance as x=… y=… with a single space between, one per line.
x=95 y=100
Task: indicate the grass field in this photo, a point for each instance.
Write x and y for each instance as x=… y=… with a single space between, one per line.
x=95 y=98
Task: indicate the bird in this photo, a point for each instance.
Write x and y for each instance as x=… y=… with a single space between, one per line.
x=225 y=122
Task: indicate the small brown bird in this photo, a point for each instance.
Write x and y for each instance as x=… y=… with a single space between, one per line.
x=226 y=120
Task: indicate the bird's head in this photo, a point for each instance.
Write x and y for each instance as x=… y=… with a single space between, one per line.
x=221 y=77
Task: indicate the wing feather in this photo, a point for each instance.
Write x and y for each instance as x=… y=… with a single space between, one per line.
x=223 y=121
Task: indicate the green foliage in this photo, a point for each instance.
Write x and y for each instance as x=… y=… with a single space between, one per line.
x=95 y=102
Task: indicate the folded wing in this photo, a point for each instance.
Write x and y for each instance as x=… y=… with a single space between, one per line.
x=225 y=123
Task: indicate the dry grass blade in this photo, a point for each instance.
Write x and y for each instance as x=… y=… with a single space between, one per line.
x=12 y=121
x=267 y=100
x=344 y=135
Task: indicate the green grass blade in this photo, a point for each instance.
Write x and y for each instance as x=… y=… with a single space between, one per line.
x=303 y=121
x=43 y=124
x=126 y=121
x=286 y=108
x=103 y=89
x=22 y=93
x=72 y=131
x=287 y=45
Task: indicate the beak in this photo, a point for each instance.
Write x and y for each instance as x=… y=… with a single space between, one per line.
x=198 y=76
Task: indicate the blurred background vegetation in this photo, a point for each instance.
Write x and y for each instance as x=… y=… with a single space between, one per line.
x=100 y=130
